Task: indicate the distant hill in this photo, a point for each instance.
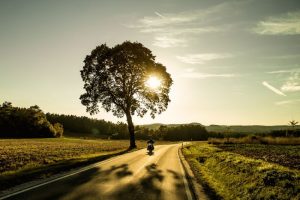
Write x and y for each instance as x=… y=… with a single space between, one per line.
x=224 y=128
x=247 y=129
x=156 y=126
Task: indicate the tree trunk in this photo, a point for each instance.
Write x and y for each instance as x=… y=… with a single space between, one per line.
x=131 y=130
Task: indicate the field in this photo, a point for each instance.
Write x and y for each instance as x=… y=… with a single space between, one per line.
x=285 y=155
x=246 y=171
x=22 y=160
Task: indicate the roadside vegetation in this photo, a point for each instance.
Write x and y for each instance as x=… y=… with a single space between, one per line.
x=239 y=171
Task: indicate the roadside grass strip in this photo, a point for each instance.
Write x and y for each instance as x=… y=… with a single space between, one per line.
x=229 y=175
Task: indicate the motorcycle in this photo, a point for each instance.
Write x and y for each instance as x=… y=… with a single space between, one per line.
x=150 y=148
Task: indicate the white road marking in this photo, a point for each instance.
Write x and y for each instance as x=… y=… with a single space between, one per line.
x=186 y=185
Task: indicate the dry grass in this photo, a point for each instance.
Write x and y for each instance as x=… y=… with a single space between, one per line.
x=20 y=154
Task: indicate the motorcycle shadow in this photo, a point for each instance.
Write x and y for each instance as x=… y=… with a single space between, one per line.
x=150 y=153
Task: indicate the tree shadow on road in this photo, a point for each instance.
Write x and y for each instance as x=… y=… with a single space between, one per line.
x=146 y=188
x=92 y=190
x=83 y=185
x=97 y=183
x=123 y=171
x=179 y=184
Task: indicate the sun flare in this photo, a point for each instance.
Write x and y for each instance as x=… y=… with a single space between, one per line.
x=153 y=82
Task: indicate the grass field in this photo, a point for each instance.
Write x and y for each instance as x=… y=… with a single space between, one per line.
x=22 y=160
x=235 y=172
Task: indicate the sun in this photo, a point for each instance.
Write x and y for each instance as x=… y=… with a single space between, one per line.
x=153 y=82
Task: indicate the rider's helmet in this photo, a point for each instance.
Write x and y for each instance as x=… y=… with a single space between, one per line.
x=150 y=141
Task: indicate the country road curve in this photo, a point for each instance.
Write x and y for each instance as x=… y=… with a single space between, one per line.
x=135 y=175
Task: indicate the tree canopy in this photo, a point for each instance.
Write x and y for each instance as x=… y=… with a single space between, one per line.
x=116 y=78
x=29 y=122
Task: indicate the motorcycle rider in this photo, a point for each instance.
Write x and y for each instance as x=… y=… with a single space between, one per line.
x=150 y=146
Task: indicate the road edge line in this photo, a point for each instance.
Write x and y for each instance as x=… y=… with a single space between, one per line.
x=196 y=189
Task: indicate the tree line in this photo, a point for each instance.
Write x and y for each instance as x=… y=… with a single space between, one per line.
x=29 y=122
x=32 y=122
x=104 y=129
x=89 y=126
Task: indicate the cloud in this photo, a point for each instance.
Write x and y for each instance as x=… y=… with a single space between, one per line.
x=202 y=58
x=166 y=19
x=158 y=14
x=280 y=71
x=174 y=37
x=198 y=75
x=292 y=84
x=288 y=24
x=173 y=29
x=289 y=56
x=168 y=41
x=181 y=30
x=287 y=102
x=275 y=90
x=173 y=19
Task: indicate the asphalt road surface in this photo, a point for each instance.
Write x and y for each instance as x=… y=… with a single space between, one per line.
x=135 y=175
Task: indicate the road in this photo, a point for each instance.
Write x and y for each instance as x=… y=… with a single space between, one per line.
x=135 y=175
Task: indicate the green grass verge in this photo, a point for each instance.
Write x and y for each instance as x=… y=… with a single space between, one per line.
x=229 y=175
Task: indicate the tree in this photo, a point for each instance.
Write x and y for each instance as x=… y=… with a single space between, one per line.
x=116 y=77
x=29 y=122
x=293 y=123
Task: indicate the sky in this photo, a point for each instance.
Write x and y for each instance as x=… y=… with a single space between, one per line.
x=232 y=62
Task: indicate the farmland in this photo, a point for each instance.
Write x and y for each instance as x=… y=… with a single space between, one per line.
x=285 y=155
x=22 y=160
x=246 y=171
x=18 y=154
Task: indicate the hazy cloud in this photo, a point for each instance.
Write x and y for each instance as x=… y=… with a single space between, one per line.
x=180 y=31
x=288 y=24
x=168 y=41
x=158 y=14
x=202 y=58
x=273 y=89
x=170 y=28
x=292 y=84
x=174 y=37
x=287 y=102
x=199 y=75
x=281 y=71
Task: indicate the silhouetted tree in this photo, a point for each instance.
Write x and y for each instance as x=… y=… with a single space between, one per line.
x=293 y=123
x=115 y=77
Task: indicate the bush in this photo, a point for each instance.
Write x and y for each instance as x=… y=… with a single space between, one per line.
x=59 y=130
